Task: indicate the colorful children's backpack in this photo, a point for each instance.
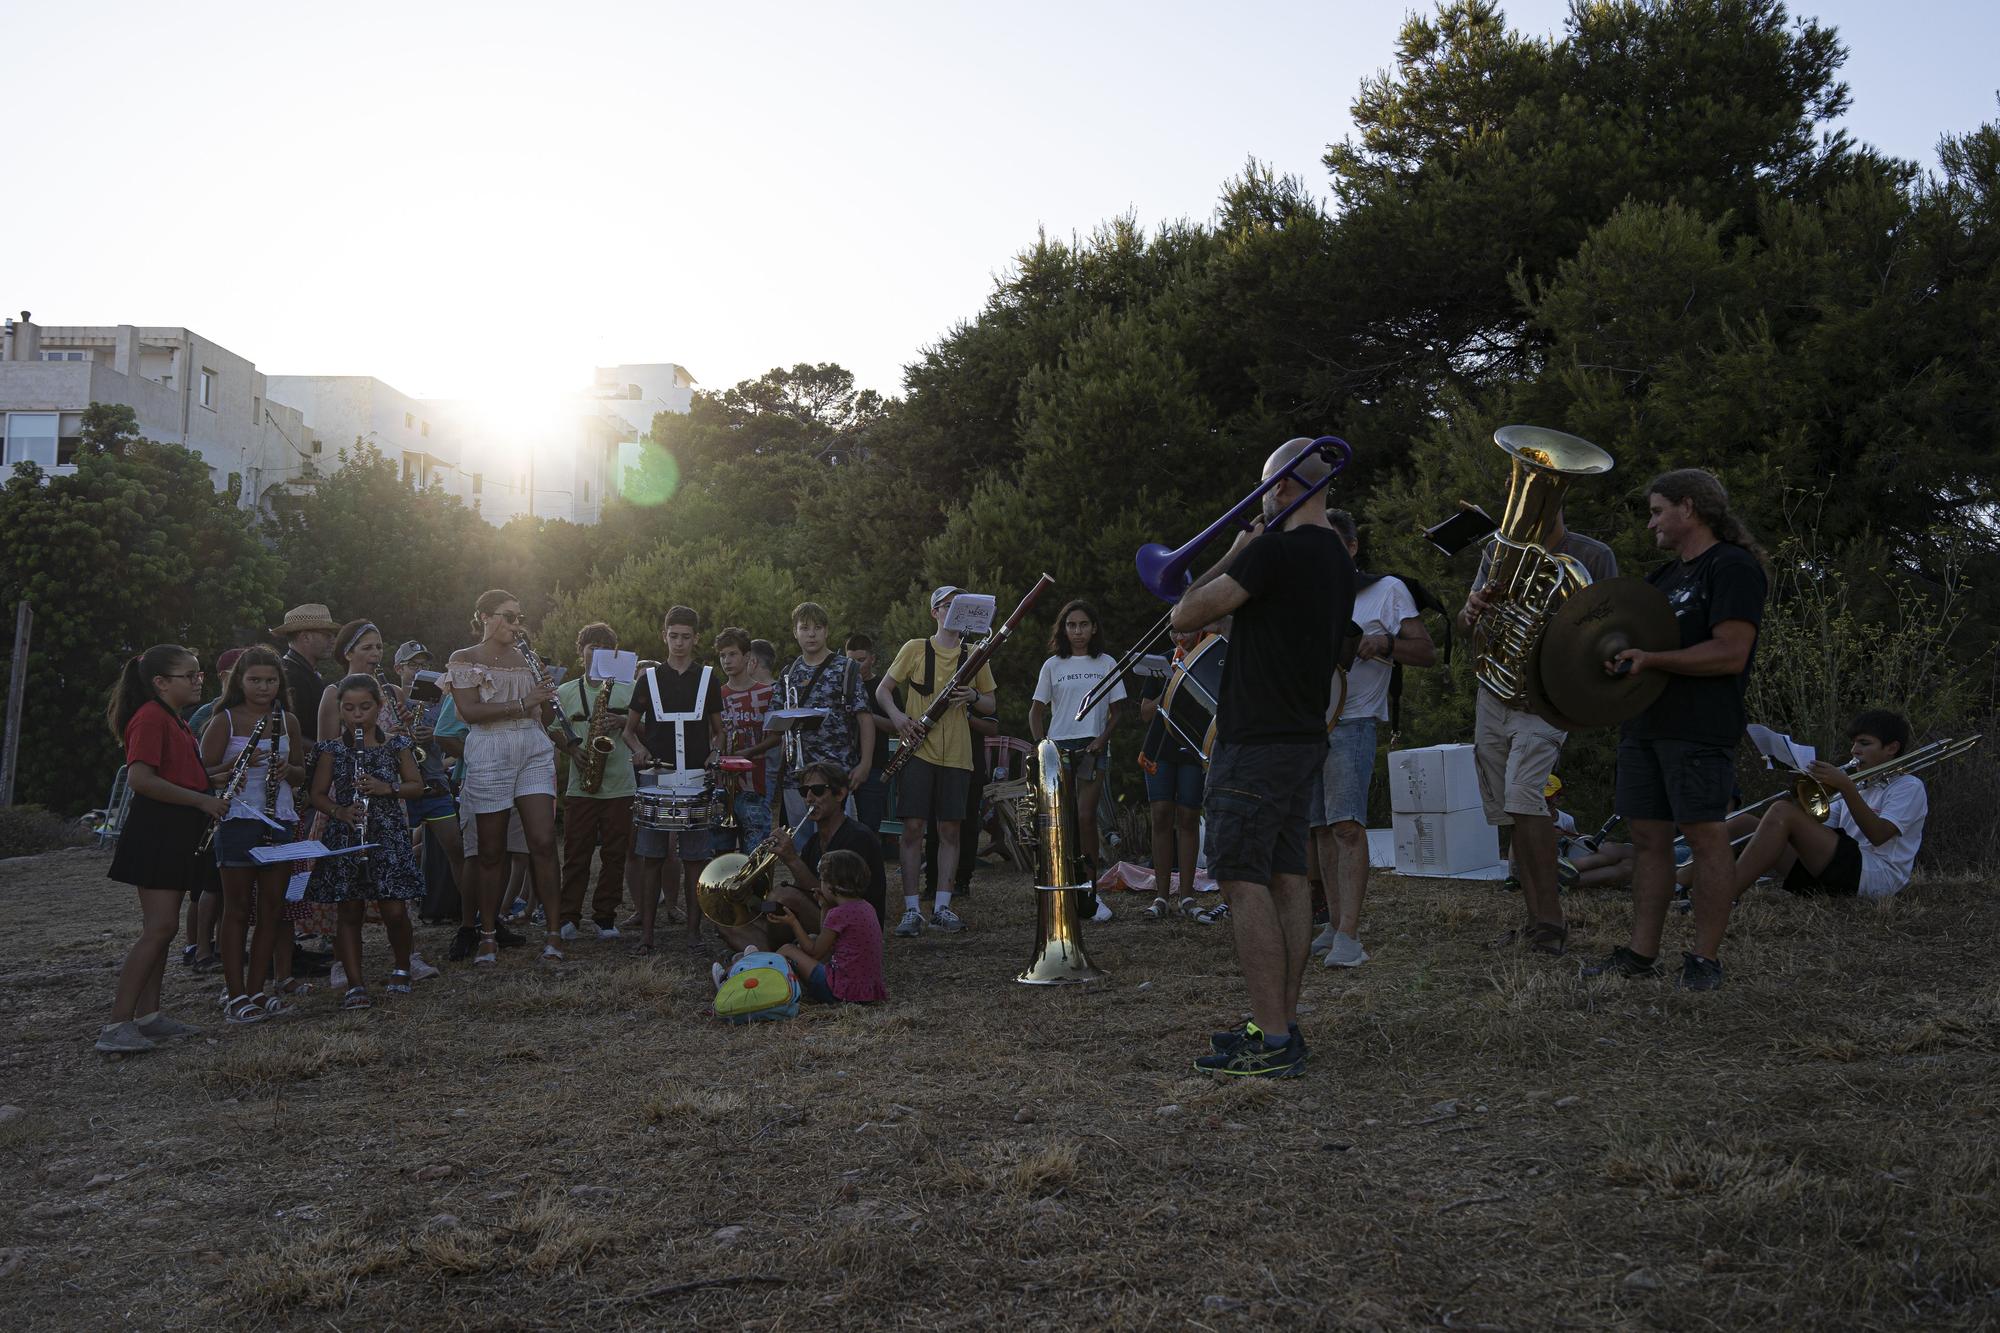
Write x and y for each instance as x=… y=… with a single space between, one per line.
x=759 y=986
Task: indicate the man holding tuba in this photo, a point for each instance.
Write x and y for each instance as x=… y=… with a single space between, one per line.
x=597 y=808
x=1515 y=750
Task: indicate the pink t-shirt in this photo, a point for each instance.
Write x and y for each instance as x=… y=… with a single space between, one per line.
x=854 y=968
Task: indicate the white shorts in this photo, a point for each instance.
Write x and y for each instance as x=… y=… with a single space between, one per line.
x=503 y=763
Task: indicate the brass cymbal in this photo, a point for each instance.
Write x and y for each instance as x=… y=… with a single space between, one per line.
x=1567 y=683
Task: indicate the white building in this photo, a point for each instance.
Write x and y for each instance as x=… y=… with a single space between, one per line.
x=269 y=434
x=183 y=388
x=342 y=411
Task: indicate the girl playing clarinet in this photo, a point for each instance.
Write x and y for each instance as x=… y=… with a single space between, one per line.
x=255 y=739
x=159 y=849
x=361 y=779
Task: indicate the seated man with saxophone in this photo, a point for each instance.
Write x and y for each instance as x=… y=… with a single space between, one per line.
x=597 y=807
x=1515 y=750
x=1867 y=845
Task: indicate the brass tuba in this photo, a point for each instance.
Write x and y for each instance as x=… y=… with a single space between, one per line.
x=1527 y=581
x=1059 y=957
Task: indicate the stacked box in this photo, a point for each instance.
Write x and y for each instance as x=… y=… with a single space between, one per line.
x=1440 y=827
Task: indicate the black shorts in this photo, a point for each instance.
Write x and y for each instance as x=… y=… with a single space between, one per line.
x=926 y=791
x=1840 y=879
x=1256 y=801
x=1685 y=782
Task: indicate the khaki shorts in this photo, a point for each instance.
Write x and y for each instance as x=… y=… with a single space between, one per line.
x=1516 y=751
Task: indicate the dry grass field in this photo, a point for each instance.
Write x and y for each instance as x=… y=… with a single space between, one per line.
x=1482 y=1141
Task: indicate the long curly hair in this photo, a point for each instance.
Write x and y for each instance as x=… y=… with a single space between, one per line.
x=1711 y=504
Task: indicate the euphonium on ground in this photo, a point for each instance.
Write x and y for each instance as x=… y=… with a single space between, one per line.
x=600 y=745
x=1526 y=579
x=1059 y=955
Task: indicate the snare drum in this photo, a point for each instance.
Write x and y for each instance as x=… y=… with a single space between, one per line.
x=674 y=803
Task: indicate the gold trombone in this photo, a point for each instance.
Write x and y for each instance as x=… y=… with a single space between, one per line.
x=1816 y=798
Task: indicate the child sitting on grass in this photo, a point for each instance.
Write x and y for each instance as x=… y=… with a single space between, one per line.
x=843 y=963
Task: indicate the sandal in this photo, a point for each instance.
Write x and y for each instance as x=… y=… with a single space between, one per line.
x=639 y=950
x=356 y=998
x=489 y=950
x=1545 y=937
x=295 y=986
x=243 y=1009
x=275 y=1006
x=398 y=983
x=552 y=949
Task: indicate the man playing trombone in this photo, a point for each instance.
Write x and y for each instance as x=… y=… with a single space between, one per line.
x=1291 y=592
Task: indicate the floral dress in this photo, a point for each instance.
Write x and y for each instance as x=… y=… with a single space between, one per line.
x=390 y=869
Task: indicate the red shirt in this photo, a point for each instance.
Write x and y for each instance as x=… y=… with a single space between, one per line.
x=743 y=713
x=157 y=738
x=854 y=968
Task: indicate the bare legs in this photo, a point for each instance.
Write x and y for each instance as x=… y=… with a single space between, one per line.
x=145 y=963
x=1273 y=929
x=1534 y=848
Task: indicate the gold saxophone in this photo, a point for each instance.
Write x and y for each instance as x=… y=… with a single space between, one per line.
x=599 y=746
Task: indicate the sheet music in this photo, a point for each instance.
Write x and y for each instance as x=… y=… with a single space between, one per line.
x=971 y=614
x=310 y=850
x=614 y=664
x=295 y=887
x=1780 y=750
x=238 y=810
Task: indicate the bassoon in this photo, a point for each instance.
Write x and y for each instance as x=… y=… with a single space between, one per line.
x=968 y=668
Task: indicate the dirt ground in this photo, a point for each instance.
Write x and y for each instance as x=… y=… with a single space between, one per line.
x=1482 y=1141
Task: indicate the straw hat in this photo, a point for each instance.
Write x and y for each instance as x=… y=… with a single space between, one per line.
x=305 y=619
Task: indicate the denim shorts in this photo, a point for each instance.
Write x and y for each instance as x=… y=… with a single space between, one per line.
x=1683 y=781
x=696 y=844
x=1341 y=789
x=819 y=987
x=1256 y=806
x=426 y=808
x=1179 y=783
x=235 y=837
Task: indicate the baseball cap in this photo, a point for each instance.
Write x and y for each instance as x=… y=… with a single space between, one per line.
x=944 y=594
x=228 y=659
x=1553 y=787
x=411 y=648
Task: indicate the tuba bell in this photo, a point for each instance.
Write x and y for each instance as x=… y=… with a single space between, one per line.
x=1527 y=580
x=733 y=886
x=1059 y=958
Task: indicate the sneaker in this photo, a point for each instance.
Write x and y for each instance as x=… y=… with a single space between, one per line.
x=607 y=930
x=946 y=920
x=1346 y=952
x=1323 y=941
x=337 y=979
x=1511 y=884
x=1103 y=912
x=911 y=924
x=463 y=944
x=1209 y=916
x=568 y=932
x=1254 y=1059
x=718 y=974
x=421 y=970
x=123 y=1039
x=509 y=939
x=187 y=956
x=1622 y=962
x=1224 y=1042
x=160 y=1026
x=1698 y=973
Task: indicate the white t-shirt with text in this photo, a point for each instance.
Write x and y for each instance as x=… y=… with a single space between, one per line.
x=1379 y=608
x=1904 y=802
x=1064 y=682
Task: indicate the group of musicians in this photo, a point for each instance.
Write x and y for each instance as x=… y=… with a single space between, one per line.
x=1287 y=771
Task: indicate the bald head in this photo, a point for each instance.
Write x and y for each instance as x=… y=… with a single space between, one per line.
x=1311 y=469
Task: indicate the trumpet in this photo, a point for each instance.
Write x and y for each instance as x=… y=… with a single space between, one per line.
x=1166 y=572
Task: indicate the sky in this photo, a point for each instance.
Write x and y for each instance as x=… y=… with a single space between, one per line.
x=487 y=200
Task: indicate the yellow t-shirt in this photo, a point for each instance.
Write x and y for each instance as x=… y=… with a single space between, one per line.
x=950 y=743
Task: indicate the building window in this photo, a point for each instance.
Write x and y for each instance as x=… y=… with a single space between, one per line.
x=208 y=388
x=409 y=470
x=256 y=410
x=478 y=486
x=65 y=356
x=586 y=492
x=31 y=438
x=427 y=430
x=315 y=444
x=409 y=420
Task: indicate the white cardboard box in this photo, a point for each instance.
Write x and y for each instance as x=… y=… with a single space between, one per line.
x=1445 y=844
x=1436 y=780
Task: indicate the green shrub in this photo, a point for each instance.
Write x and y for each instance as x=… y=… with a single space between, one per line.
x=28 y=829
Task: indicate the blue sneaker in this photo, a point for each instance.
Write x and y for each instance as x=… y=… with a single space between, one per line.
x=1256 y=1060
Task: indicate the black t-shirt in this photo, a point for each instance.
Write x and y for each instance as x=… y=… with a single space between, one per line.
x=677 y=695
x=1725 y=582
x=1163 y=745
x=1277 y=681
x=851 y=837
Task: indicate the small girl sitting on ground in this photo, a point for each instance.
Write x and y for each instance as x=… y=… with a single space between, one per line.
x=843 y=963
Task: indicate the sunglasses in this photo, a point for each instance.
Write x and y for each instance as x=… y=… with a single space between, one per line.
x=814 y=789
